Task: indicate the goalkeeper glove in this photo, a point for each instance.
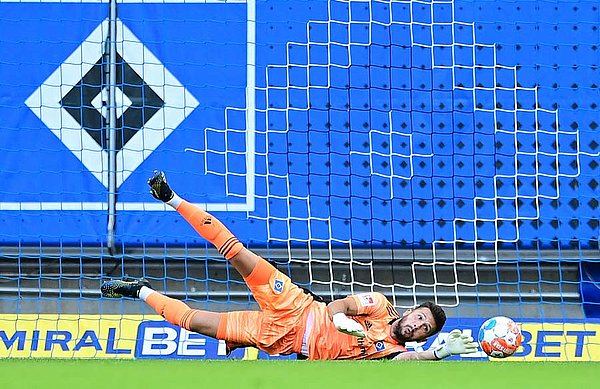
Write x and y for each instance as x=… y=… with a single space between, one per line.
x=457 y=343
x=348 y=326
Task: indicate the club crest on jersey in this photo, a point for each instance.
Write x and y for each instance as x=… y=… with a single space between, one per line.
x=278 y=286
x=366 y=299
x=379 y=346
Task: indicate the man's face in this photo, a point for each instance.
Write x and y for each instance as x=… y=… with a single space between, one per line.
x=414 y=325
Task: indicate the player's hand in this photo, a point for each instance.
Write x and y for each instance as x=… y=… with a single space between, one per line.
x=348 y=326
x=457 y=343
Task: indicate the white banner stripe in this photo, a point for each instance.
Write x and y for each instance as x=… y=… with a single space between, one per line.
x=125 y=206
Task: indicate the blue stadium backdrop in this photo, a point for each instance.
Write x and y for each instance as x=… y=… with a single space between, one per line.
x=429 y=150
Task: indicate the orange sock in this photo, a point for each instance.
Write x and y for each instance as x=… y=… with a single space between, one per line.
x=211 y=229
x=175 y=311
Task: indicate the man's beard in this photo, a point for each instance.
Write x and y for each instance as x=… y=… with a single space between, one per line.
x=398 y=333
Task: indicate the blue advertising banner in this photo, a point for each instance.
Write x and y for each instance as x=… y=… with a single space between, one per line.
x=362 y=123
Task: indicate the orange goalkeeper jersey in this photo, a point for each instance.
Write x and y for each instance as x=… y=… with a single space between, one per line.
x=324 y=341
x=292 y=322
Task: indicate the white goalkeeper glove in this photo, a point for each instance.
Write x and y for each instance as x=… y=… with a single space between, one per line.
x=457 y=343
x=348 y=326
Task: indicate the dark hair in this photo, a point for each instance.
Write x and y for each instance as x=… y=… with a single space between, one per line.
x=439 y=316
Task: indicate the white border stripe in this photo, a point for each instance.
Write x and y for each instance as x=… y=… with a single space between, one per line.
x=250 y=104
x=101 y=206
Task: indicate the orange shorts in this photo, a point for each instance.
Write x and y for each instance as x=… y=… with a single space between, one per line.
x=279 y=327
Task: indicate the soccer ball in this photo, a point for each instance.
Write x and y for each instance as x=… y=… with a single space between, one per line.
x=499 y=337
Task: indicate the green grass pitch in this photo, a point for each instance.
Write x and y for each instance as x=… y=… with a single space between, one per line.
x=148 y=374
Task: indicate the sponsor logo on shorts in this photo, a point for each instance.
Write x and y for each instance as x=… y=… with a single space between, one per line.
x=366 y=299
x=278 y=286
x=379 y=346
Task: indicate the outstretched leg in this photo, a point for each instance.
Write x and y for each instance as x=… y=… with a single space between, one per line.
x=238 y=329
x=174 y=311
x=257 y=272
x=208 y=226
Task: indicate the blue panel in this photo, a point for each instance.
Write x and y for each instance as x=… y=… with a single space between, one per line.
x=36 y=165
x=393 y=130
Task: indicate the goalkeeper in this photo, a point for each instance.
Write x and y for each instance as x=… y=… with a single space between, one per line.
x=363 y=326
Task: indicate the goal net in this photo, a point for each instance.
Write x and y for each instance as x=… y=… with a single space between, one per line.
x=429 y=150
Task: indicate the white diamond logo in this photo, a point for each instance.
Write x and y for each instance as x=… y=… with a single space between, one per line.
x=122 y=102
x=150 y=103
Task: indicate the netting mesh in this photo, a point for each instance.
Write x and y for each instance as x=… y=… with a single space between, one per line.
x=394 y=116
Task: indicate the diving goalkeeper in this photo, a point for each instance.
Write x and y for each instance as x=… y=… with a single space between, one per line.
x=362 y=326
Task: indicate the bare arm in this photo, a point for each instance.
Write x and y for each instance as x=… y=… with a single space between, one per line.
x=346 y=306
x=337 y=311
x=426 y=355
